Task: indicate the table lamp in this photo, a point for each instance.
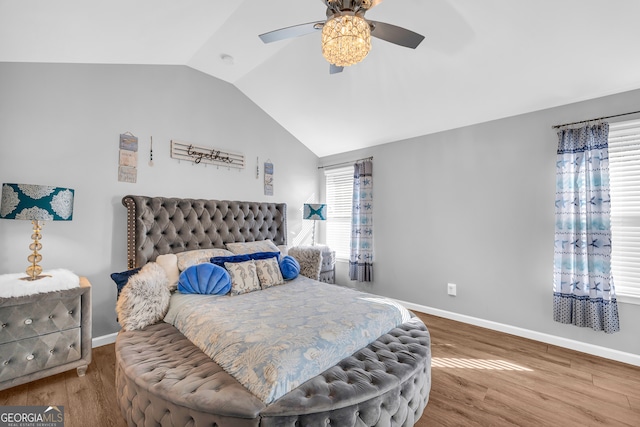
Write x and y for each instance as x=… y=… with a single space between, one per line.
x=36 y=203
x=316 y=212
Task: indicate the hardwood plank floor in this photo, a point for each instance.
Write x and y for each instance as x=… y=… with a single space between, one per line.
x=479 y=378
x=486 y=378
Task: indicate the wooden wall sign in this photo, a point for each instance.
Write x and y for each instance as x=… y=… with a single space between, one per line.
x=206 y=155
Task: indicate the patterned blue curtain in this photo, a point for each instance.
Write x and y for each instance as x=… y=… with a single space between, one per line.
x=583 y=292
x=361 y=259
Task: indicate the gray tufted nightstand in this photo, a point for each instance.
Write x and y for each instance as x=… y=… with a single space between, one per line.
x=328 y=267
x=45 y=334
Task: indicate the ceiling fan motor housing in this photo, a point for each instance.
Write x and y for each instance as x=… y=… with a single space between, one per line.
x=355 y=6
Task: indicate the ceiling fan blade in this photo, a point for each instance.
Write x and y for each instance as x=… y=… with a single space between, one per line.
x=334 y=69
x=291 y=32
x=397 y=35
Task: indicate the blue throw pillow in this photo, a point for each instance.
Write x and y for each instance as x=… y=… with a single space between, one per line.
x=220 y=260
x=121 y=279
x=207 y=279
x=289 y=268
x=265 y=255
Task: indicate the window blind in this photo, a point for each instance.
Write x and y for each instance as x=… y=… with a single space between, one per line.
x=624 y=171
x=339 y=197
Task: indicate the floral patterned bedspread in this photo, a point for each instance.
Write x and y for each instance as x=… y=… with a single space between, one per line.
x=275 y=339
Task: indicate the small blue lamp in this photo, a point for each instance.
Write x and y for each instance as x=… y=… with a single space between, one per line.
x=316 y=212
x=36 y=203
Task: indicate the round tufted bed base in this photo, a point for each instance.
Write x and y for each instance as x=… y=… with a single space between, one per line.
x=162 y=379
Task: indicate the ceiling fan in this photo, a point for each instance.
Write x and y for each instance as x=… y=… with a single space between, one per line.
x=346 y=34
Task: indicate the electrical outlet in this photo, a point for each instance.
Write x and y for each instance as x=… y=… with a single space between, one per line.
x=451 y=289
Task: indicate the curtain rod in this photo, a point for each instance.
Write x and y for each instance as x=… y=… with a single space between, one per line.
x=593 y=120
x=345 y=163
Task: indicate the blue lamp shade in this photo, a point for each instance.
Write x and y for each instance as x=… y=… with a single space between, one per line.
x=36 y=202
x=316 y=212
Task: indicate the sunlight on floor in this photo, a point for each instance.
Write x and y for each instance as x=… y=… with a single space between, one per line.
x=500 y=365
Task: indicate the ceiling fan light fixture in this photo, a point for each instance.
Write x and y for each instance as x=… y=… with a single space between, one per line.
x=346 y=39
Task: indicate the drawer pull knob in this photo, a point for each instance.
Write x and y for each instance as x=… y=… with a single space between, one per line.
x=70 y=311
x=6 y=362
x=4 y=325
x=28 y=322
x=51 y=351
x=30 y=357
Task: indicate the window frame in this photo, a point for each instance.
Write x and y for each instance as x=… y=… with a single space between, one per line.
x=624 y=141
x=339 y=210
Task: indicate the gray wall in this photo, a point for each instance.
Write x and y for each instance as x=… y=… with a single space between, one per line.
x=475 y=206
x=59 y=125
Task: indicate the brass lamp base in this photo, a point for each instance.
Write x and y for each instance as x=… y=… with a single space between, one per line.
x=34 y=270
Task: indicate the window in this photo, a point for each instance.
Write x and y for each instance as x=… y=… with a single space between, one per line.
x=339 y=196
x=624 y=170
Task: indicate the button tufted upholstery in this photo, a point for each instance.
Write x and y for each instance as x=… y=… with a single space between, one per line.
x=44 y=334
x=163 y=379
x=41 y=316
x=159 y=225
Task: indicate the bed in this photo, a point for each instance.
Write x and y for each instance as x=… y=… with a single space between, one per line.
x=163 y=378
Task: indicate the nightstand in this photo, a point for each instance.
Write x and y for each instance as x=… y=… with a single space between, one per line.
x=45 y=334
x=328 y=267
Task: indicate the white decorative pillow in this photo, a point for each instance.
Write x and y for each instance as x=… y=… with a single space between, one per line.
x=244 y=277
x=188 y=258
x=268 y=272
x=252 y=247
x=170 y=264
x=145 y=298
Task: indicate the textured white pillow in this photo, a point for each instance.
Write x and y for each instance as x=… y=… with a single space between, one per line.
x=252 y=247
x=145 y=298
x=170 y=264
x=268 y=272
x=310 y=260
x=188 y=258
x=244 y=277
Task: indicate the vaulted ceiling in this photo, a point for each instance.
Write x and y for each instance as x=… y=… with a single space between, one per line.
x=481 y=60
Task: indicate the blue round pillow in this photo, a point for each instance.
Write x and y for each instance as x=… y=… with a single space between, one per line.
x=289 y=268
x=205 y=278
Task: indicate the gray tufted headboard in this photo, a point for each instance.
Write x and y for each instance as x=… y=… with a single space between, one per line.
x=160 y=225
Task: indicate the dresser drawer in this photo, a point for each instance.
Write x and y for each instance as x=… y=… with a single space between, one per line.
x=31 y=355
x=328 y=277
x=328 y=260
x=39 y=317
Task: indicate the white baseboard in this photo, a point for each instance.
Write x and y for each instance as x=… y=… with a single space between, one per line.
x=104 y=340
x=620 y=356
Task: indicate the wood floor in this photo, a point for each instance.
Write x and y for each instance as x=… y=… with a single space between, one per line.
x=479 y=378
x=486 y=378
